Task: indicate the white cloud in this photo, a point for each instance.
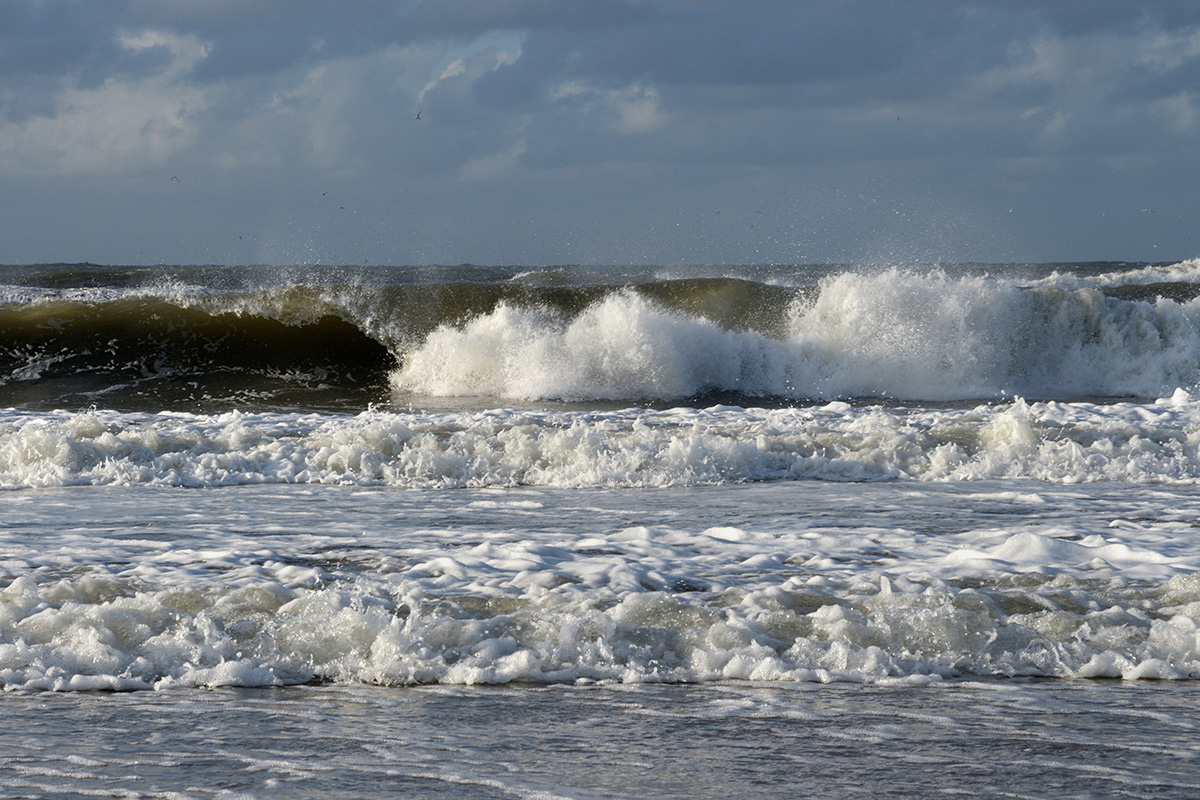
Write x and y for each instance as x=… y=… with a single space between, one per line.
x=308 y=118
x=637 y=109
x=186 y=51
x=568 y=89
x=1072 y=87
x=320 y=116
x=122 y=123
x=1093 y=65
x=1168 y=50
x=487 y=53
x=634 y=109
x=454 y=69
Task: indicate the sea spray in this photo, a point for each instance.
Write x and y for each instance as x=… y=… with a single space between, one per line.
x=895 y=334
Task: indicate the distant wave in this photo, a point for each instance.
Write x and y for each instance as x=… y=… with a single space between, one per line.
x=1180 y=282
x=1184 y=272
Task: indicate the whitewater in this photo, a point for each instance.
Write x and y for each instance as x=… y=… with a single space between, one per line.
x=557 y=532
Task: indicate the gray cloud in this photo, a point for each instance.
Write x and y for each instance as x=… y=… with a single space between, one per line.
x=599 y=131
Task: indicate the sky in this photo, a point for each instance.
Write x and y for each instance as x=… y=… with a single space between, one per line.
x=598 y=131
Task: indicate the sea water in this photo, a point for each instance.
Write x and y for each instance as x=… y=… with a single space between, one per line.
x=993 y=739
x=821 y=531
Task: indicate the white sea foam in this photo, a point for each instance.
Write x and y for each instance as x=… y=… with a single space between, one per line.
x=1057 y=442
x=897 y=334
x=788 y=598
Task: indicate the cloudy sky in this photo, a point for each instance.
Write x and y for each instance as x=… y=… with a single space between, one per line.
x=598 y=131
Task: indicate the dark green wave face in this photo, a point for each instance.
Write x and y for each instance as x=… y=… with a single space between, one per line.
x=147 y=354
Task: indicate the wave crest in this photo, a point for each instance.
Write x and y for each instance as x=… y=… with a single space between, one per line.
x=894 y=334
x=623 y=347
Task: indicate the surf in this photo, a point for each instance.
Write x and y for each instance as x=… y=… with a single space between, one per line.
x=259 y=339
x=895 y=335
x=1060 y=443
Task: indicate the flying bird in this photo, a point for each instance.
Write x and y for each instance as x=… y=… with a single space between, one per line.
x=418 y=115
x=174 y=178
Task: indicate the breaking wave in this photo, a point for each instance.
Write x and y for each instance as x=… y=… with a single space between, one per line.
x=899 y=335
x=341 y=342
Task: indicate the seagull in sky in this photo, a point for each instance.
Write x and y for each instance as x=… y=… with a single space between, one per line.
x=418 y=115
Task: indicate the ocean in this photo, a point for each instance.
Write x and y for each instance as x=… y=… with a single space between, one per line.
x=676 y=532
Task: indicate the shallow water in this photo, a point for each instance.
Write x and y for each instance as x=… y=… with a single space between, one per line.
x=997 y=739
x=125 y=587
